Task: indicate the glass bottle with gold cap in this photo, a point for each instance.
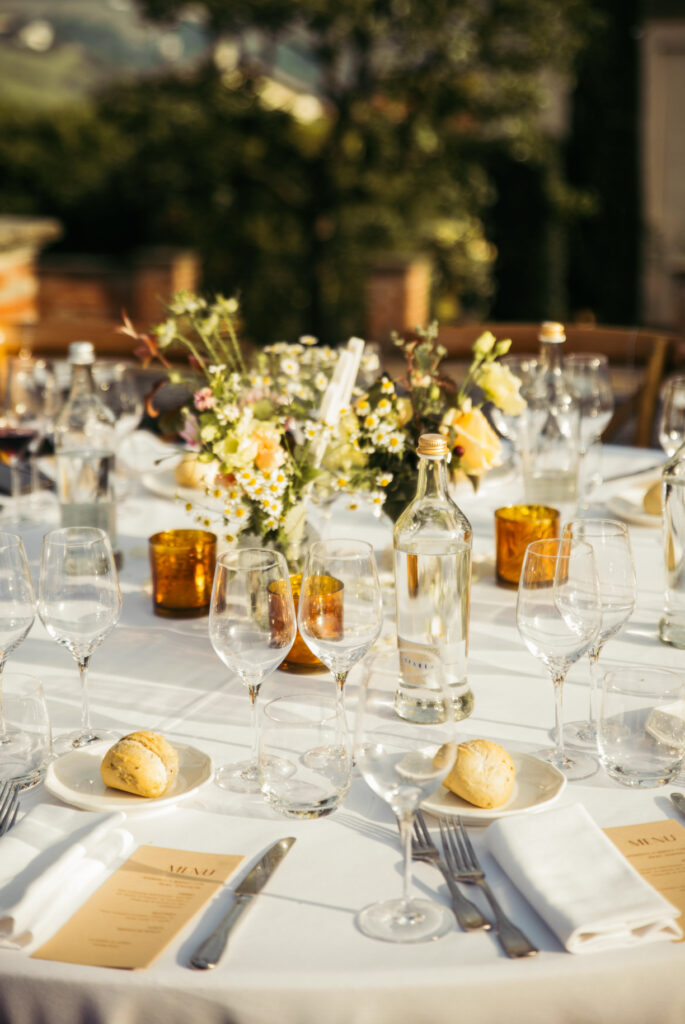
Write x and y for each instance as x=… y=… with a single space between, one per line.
x=550 y=454
x=432 y=554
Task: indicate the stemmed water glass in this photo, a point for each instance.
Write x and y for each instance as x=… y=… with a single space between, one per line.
x=559 y=615
x=252 y=627
x=618 y=593
x=524 y=368
x=340 y=611
x=403 y=762
x=588 y=375
x=17 y=607
x=79 y=603
x=672 y=417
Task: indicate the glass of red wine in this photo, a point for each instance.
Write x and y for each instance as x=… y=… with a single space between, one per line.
x=20 y=435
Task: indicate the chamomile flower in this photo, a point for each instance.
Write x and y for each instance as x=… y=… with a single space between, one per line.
x=387 y=386
x=383 y=406
x=383 y=479
x=308 y=339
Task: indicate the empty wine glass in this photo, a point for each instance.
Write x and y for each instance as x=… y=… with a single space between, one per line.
x=523 y=367
x=340 y=611
x=252 y=627
x=588 y=375
x=618 y=593
x=120 y=393
x=672 y=417
x=17 y=607
x=559 y=615
x=403 y=762
x=79 y=603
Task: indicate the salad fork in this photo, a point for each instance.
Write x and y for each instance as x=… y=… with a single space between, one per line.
x=9 y=806
x=423 y=848
x=465 y=866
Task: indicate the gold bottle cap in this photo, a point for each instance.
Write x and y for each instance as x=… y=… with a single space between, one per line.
x=550 y=330
x=434 y=446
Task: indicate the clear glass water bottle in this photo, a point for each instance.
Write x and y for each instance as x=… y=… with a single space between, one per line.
x=672 y=624
x=432 y=556
x=550 y=442
x=84 y=438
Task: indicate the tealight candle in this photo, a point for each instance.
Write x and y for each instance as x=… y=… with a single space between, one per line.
x=517 y=526
x=182 y=564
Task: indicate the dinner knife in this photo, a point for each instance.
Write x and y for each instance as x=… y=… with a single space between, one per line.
x=679 y=800
x=209 y=952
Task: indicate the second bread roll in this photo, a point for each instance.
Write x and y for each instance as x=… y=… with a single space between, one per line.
x=483 y=774
x=143 y=763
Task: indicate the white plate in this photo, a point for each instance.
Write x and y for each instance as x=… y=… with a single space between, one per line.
x=75 y=779
x=538 y=784
x=627 y=505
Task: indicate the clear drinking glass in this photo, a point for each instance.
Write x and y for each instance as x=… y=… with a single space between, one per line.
x=249 y=638
x=672 y=416
x=588 y=375
x=340 y=638
x=641 y=734
x=524 y=368
x=403 y=762
x=17 y=606
x=26 y=749
x=79 y=603
x=20 y=432
x=559 y=615
x=618 y=593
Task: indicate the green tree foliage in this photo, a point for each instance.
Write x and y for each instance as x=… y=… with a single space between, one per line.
x=416 y=96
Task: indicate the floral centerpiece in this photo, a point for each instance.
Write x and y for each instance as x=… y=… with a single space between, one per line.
x=264 y=424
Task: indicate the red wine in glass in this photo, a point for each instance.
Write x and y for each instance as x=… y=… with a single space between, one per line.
x=14 y=442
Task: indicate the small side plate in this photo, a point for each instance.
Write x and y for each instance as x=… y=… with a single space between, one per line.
x=75 y=779
x=538 y=784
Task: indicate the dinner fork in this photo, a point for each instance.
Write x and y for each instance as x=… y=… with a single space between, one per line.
x=9 y=806
x=462 y=861
x=423 y=848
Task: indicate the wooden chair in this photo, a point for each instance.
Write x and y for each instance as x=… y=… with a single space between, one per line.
x=638 y=360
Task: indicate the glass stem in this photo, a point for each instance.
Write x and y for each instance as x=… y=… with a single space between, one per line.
x=405 y=823
x=3 y=723
x=253 y=691
x=86 y=730
x=594 y=682
x=558 y=680
x=15 y=481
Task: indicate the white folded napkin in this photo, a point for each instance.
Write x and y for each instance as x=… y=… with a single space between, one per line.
x=579 y=883
x=50 y=862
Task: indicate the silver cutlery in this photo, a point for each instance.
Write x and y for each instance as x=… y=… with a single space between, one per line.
x=679 y=801
x=462 y=861
x=209 y=952
x=9 y=806
x=423 y=848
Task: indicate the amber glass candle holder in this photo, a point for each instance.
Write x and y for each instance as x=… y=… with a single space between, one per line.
x=330 y=607
x=182 y=564
x=517 y=526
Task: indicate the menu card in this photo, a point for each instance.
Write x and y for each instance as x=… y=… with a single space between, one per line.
x=129 y=920
x=657 y=851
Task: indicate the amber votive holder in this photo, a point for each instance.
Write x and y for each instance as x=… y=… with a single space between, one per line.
x=326 y=606
x=517 y=526
x=182 y=564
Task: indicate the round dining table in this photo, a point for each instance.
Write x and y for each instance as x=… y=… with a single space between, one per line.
x=298 y=956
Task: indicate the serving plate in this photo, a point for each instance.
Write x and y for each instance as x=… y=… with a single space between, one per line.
x=537 y=785
x=75 y=779
x=628 y=505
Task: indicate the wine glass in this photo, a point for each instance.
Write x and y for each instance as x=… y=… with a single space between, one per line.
x=79 y=603
x=588 y=375
x=523 y=367
x=404 y=762
x=672 y=417
x=559 y=615
x=252 y=627
x=17 y=608
x=119 y=392
x=20 y=430
x=618 y=593
x=340 y=611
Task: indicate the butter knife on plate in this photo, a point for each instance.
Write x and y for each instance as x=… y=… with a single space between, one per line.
x=209 y=952
x=679 y=800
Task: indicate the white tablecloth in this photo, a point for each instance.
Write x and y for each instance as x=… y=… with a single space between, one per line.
x=297 y=957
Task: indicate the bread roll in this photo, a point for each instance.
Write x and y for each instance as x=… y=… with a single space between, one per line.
x=483 y=774
x=142 y=763
x=191 y=473
x=652 y=499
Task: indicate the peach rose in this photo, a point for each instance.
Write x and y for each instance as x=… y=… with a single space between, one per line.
x=269 y=455
x=474 y=435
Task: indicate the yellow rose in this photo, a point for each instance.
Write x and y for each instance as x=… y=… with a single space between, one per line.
x=477 y=439
x=404 y=411
x=269 y=455
x=499 y=385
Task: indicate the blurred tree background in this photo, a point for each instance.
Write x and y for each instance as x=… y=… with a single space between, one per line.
x=306 y=140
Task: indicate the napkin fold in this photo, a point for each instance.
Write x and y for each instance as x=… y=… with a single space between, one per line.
x=579 y=883
x=49 y=863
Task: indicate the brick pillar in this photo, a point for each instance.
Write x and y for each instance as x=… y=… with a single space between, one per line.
x=398 y=297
